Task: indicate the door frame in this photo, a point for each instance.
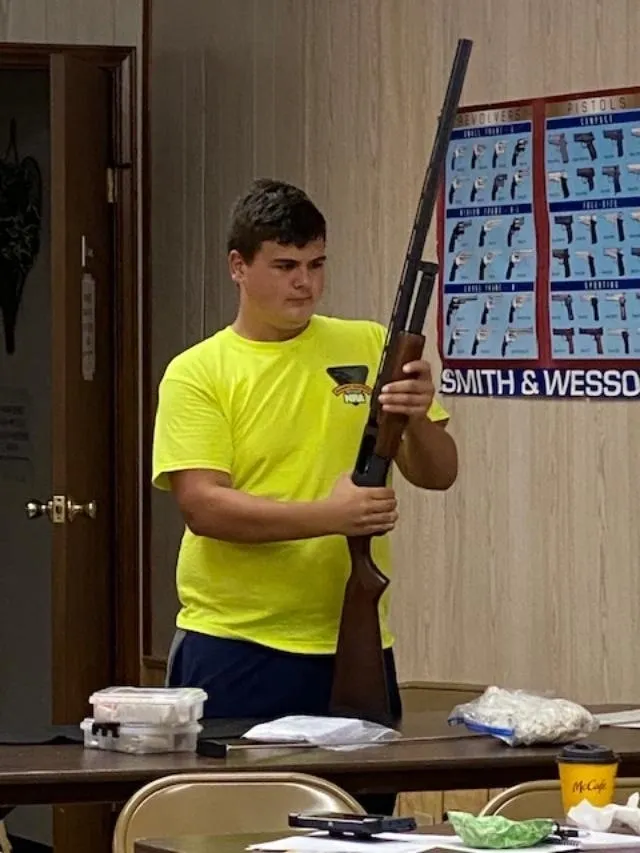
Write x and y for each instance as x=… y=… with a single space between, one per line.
x=129 y=511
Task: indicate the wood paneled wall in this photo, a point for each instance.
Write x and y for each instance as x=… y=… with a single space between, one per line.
x=71 y=21
x=525 y=573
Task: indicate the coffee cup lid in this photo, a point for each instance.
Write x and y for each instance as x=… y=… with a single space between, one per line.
x=584 y=752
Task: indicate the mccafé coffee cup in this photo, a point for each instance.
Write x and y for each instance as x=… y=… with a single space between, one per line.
x=587 y=772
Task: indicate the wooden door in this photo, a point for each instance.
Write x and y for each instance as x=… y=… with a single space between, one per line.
x=82 y=379
x=82 y=387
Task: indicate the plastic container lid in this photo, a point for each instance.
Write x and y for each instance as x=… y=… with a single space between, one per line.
x=584 y=752
x=148 y=705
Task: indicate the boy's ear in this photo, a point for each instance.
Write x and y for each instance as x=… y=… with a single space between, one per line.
x=237 y=266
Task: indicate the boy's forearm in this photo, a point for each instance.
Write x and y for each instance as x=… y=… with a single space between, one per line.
x=428 y=457
x=234 y=516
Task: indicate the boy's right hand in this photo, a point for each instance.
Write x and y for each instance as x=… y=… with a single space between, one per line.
x=360 y=511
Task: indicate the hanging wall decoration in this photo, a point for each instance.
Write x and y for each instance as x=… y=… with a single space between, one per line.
x=20 y=224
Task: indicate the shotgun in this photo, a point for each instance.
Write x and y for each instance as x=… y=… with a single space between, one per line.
x=359 y=687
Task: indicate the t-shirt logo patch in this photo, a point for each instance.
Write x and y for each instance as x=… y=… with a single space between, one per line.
x=351 y=383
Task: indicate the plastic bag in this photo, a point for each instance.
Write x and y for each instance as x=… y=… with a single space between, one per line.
x=520 y=718
x=494 y=832
x=329 y=732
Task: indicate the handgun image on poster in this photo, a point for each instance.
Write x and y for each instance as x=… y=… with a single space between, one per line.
x=594 y=224
x=490 y=260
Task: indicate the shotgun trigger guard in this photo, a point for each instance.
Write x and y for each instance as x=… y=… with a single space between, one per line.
x=372 y=580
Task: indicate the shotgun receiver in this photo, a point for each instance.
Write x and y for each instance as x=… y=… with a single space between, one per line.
x=359 y=686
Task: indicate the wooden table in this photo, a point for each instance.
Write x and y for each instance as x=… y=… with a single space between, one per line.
x=71 y=774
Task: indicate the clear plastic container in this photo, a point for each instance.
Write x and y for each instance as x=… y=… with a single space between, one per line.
x=140 y=739
x=158 y=706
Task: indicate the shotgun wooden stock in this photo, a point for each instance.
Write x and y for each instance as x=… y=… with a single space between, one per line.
x=359 y=680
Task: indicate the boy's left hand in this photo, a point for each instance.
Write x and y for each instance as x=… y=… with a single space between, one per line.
x=412 y=396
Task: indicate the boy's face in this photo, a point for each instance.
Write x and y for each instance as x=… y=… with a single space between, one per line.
x=282 y=284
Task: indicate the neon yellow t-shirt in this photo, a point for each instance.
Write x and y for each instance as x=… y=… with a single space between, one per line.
x=284 y=419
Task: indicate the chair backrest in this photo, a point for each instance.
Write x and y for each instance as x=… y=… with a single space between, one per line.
x=544 y=799
x=223 y=803
x=437 y=695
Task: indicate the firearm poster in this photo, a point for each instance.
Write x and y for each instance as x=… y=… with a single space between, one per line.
x=539 y=249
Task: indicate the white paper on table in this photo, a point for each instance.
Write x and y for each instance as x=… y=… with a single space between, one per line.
x=624 y=719
x=385 y=842
x=324 y=844
x=454 y=842
x=589 y=840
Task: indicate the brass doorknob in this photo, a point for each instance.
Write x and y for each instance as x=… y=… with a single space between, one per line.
x=35 y=509
x=60 y=509
x=89 y=509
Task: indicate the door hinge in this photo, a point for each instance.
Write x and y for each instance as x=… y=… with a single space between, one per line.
x=111 y=185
